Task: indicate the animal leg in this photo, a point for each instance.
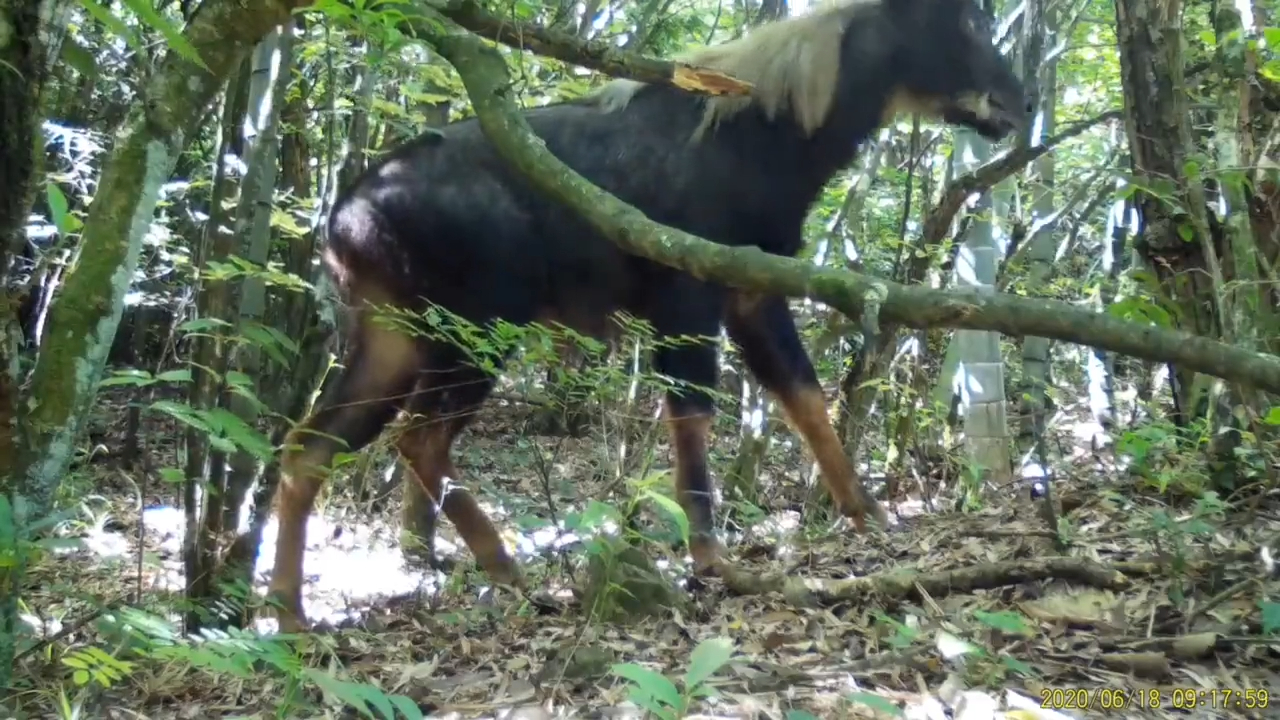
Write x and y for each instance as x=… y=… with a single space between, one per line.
x=690 y=310
x=765 y=331
x=381 y=364
x=448 y=395
x=688 y=412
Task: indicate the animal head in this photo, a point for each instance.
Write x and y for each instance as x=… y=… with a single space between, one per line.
x=937 y=54
x=948 y=66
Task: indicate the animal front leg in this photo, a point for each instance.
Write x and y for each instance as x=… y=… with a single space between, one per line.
x=688 y=412
x=771 y=348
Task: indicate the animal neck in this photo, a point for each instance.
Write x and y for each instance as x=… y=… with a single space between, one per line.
x=803 y=163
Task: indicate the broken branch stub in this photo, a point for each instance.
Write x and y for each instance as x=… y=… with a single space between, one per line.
x=704 y=80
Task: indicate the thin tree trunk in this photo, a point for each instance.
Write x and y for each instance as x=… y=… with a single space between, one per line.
x=981 y=372
x=206 y=464
x=1037 y=24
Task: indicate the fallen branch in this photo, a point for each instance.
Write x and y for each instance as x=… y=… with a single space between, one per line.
x=905 y=584
x=484 y=74
x=594 y=54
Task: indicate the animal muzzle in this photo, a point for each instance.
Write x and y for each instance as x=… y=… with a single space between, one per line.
x=992 y=114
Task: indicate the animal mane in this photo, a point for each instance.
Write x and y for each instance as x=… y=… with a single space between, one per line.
x=793 y=65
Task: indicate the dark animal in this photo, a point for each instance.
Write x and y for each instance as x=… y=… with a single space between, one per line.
x=444 y=220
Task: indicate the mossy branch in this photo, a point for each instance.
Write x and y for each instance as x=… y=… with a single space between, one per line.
x=485 y=75
x=594 y=54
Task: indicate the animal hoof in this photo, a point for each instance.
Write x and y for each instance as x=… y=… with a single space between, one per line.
x=291 y=625
x=508 y=574
x=289 y=614
x=707 y=556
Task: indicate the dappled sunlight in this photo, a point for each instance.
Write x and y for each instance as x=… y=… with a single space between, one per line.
x=350 y=564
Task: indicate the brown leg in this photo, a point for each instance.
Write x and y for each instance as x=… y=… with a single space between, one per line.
x=448 y=395
x=300 y=481
x=689 y=433
x=426 y=445
x=807 y=412
x=379 y=373
x=764 y=330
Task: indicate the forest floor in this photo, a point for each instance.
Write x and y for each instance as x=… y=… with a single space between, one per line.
x=950 y=614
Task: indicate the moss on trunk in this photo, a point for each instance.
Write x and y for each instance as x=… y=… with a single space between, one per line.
x=83 y=320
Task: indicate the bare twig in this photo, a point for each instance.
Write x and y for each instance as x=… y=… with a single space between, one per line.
x=987 y=176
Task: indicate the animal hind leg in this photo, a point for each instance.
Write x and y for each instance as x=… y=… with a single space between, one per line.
x=448 y=395
x=379 y=374
x=764 y=330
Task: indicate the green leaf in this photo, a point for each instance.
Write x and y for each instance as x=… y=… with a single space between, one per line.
x=1273 y=416
x=1004 y=621
x=146 y=12
x=710 y=655
x=672 y=507
x=270 y=340
x=1136 y=308
x=80 y=59
x=1019 y=666
x=182 y=412
x=649 y=683
x=179 y=375
x=241 y=433
x=597 y=513
x=34 y=527
x=248 y=394
x=1270 y=616
x=61 y=543
x=139 y=378
x=875 y=702
x=379 y=701
x=58 y=208
x=113 y=23
x=1271 y=70
x=203 y=325
x=235 y=377
x=407 y=707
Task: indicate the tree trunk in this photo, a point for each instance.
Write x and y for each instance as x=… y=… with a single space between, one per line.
x=1178 y=247
x=272 y=68
x=206 y=464
x=24 y=66
x=1037 y=26
x=981 y=372
x=266 y=86
x=25 y=27
x=286 y=390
